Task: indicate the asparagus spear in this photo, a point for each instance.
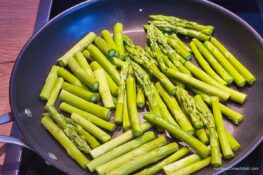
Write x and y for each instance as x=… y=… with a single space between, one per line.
x=126 y=122
x=91 y=128
x=92 y=118
x=197 y=84
x=82 y=93
x=80 y=45
x=209 y=122
x=145 y=159
x=104 y=89
x=157 y=167
x=60 y=136
x=184 y=23
x=112 y=85
x=118 y=151
x=202 y=136
x=113 y=143
x=175 y=109
x=188 y=105
x=82 y=75
x=140 y=57
x=177 y=47
x=169 y=169
x=229 y=113
x=80 y=103
x=132 y=108
x=107 y=37
x=232 y=141
x=66 y=75
x=203 y=63
x=87 y=55
x=198 y=146
x=104 y=62
x=250 y=78
x=69 y=129
x=54 y=94
x=81 y=60
x=140 y=100
x=121 y=94
x=107 y=49
x=213 y=62
x=238 y=79
x=87 y=137
x=193 y=167
x=165 y=26
x=49 y=83
x=118 y=37
x=181 y=43
x=226 y=149
x=111 y=165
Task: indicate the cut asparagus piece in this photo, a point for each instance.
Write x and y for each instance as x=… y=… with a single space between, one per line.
x=81 y=60
x=87 y=137
x=49 y=83
x=91 y=128
x=232 y=141
x=104 y=89
x=140 y=98
x=175 y=109
x=118 y=151
x=204 y=64
x=132 y=108
x=60 y=136
x=107 y=49
x=198 y=146
x=92 y=118
x=197 y=84
x=87 y=55
x=169 y=169
x=82 y=104
x=118 y=37
x=213 y=62
x=193 y=167
x=126 y=120
x=177 y=47
x=225 y=147
x=105 y=63
x=107 y=37
x=202 y=136
x=121 y=94
x=113 y=86
x=54 y=94
x=250 y=78
x=113 y=143
x=91 y=82
x=157 y=167
x=238 y=79
x=145 y=159
x=79 y=46
x=82 y=93
x=111 y=165
x=66 y=75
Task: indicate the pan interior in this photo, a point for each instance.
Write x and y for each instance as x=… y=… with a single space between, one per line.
x=42 y=51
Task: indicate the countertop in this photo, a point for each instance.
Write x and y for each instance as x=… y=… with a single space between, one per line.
x=17 y=19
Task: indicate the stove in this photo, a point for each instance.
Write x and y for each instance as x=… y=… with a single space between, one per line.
x=19 y=161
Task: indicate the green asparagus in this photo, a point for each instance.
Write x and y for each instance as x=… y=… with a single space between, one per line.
x=81 y=60
x=118 y=37
x=54 y=94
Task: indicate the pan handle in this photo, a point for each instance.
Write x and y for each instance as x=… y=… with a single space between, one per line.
x=6 y=118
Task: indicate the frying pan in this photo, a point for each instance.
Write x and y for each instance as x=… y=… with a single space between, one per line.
x=56 y=37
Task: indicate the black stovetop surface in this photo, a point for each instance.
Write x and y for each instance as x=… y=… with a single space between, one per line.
x=24 y=162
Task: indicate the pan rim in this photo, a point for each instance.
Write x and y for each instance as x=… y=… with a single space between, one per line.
x=88 y=3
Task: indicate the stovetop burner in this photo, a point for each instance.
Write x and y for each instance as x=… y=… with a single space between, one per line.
x=20 y=161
